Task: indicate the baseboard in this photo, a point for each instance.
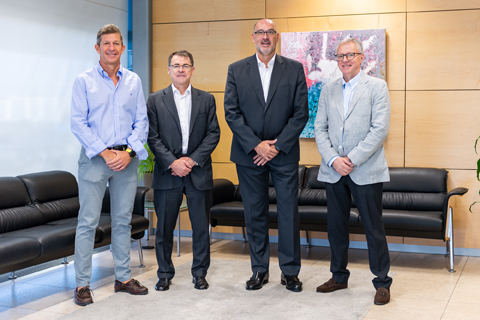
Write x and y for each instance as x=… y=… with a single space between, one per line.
x=397 y=247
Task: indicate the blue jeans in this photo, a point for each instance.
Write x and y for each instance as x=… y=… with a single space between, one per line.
x=93 y=175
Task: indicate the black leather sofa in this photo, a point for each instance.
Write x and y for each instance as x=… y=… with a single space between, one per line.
x=38 y=219
x=415 y=204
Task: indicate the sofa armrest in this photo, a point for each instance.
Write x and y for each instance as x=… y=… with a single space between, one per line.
x=139 y=204
x=223 y=191
x=460 y=191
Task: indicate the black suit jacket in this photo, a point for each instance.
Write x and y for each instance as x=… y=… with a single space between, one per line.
x=282 y=117
x=165 y=137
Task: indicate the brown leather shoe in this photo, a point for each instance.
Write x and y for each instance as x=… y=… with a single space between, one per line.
x=382 y=296
x=132 y=287
x=83 y=296
x=330 y=286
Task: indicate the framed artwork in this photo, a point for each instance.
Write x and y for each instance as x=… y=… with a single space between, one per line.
x=316 y=51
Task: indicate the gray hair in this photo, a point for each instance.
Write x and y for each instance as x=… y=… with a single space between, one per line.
x=270 y=21
x=348 y=40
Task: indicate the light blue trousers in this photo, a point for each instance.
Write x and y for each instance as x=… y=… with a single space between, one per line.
x=93 y=176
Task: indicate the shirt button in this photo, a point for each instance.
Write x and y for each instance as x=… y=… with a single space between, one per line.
x=341 y=128
x=340 y=147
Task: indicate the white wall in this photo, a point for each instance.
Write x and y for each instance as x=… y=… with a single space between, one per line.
x=44 y=45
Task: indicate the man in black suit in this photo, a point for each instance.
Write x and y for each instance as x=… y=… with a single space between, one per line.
x=183 y=133
x=266 y=107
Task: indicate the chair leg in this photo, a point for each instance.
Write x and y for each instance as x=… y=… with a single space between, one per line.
x=210 y=232
x=65 y=261
x=447 y=244
x=307 y=237
x=244 y=236
x=12 y=275
x=450 y=238
x=140 y=253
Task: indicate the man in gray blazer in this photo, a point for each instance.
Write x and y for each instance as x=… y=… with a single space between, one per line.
x=352 y=123
x=266 y=107
x=183 y=133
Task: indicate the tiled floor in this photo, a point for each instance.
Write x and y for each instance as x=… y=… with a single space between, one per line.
x=422 y=287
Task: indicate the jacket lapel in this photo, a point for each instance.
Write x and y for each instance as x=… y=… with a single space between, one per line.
x=195 y=107
x=169 y=102
x=277 y=72
x=255 y=79
x=359 y=90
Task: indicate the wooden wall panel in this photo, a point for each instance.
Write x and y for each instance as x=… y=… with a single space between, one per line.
x=206 y=10
x=225 y=171
x=214 y=46
x=441 y=49
x=395 y=30
x=437 y=5
x=395 y=143
x=309 y=8
x=441 y=129
x=309 y=155
x=222 y=152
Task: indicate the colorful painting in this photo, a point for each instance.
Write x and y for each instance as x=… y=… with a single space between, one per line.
x=316 y=51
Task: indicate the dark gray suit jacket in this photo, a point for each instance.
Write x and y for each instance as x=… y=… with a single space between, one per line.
x=282 y=117
x=165 y=137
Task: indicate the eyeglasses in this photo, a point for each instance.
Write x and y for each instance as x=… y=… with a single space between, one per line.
x=350 y=56
x=185 y=67
x=269 y=33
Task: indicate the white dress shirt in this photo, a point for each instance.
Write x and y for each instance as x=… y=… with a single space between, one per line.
x=184 y=110
x=266 y=74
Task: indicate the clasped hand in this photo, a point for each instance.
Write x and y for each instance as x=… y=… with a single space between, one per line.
x=182 y=167
x=265 y=152
x=116 y=160
x=343 y=166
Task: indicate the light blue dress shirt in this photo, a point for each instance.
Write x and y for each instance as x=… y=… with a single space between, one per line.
x=348 y=91
x=104 y=115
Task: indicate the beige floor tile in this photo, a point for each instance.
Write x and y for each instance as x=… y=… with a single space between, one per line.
x=15 y=313
x=462 y=310
x=42 y=315
x=418 y=289
x=407 y=309
x=466 y=291
x=64 y=307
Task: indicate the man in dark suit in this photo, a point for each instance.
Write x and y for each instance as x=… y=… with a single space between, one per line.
x=352 y=123
x=183 y=133
x=266 y=107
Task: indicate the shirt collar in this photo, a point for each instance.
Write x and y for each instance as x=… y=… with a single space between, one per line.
x=104 y=74
x=354 y=81
x=187 y=92
x=270 y=63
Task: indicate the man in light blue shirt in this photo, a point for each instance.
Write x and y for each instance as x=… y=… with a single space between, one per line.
x=109 y=118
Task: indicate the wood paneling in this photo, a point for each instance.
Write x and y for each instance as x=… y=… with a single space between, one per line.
x=441 y=50
x=441 y=129
x=436 y=5
x=394 y=24
x=395 y=143
x=309 y=155
x=225 y=171
x=214 y=46
x=206 y=10
x=309 y=8
x=222 y=152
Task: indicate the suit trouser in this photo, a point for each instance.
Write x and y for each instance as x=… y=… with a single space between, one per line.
x=167 y=206
x=254 y=182
x=368 y=199
x=93 y=175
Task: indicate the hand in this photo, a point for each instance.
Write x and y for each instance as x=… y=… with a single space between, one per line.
x=343 y=166
x=266 y=150
x=259 y=161
x=120 y=162
x=181 y=167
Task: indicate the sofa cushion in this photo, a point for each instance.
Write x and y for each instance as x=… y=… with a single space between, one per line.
x=53 y=238
x=412 y=220
x=138 y=223
x=17 y=250
x=73 y=222
x=12 y=193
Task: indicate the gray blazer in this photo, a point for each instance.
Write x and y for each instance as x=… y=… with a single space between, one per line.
x=365 y=128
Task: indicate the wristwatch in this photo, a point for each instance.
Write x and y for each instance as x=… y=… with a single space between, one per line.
x=131 y=153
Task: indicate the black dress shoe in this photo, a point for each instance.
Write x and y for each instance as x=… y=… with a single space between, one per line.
x=257 y=280
x=200 y=283
x=163 y=284
x=292 y=282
